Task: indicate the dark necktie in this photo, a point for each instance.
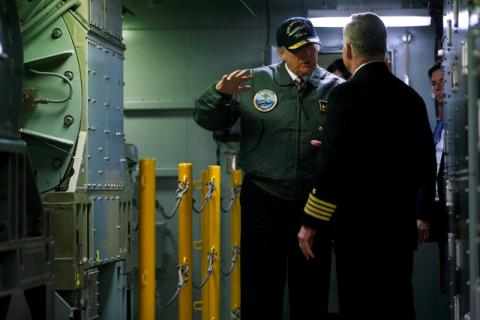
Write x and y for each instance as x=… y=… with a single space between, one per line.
x=299 y=83
x=437 y=134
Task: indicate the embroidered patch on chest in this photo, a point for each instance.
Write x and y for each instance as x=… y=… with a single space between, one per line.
x=265 y=100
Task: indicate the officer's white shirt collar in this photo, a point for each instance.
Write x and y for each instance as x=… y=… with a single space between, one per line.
x=361 y=66
x=294 y=76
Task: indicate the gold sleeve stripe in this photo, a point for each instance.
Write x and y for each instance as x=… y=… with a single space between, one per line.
x=319 y=206
x=317 y=211
x=323 y=203
x=313 y=214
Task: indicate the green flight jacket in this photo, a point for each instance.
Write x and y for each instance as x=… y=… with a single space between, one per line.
x=277 y=125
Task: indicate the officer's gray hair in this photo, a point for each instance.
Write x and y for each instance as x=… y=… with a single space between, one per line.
x=367 y=34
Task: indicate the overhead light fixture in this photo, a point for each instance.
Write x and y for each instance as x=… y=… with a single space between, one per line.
x=408 y=18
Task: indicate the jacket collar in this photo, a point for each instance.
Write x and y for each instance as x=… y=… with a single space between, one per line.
x=368 y=67
x=283 y=79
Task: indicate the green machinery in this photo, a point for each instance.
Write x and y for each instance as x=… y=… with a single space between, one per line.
x=25 y=245
x=72 y=121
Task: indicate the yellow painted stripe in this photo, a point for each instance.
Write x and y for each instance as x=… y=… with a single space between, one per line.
x=319 y=206
x=324 y=203
x=313 y=214
x=320 y=212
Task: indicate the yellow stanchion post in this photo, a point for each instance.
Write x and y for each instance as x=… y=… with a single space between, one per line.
x=214 y=244
x=185 y=239
x=205 y=244
x=235 y=224
x=147 y=240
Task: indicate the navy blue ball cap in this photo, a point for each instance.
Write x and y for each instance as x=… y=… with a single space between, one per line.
x=295 y=32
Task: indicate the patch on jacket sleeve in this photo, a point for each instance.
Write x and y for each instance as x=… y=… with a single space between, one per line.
x=322 y=105
x=265 y=100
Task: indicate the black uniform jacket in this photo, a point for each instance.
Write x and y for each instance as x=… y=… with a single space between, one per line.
x=377 y=154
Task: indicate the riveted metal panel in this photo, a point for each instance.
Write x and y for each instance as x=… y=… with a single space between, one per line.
x=461 y=105
x=106 y=227
x=68 y=238
x=114 y=111
x=96 y=118
x=106 y=147
x=124 y=209
x=112 y=288
x=97 y=13
x=92 y=293
x=113 y=18
x=472 y=67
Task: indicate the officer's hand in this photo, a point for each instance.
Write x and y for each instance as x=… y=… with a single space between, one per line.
x=317 y=143
x=230 y=83
x=305 y=241
x=423 y=230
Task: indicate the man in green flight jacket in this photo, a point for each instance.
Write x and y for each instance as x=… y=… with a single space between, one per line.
x=280 y=108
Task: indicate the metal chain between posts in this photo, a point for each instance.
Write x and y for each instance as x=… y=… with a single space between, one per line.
x=180 y=193
x=234 y=194
x=236 y=314
x=211 y=187
x=182 y=280
x=211 y=258
x=236 y=252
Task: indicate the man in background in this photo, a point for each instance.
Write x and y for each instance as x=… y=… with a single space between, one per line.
x=338 y=68
x=439 y=217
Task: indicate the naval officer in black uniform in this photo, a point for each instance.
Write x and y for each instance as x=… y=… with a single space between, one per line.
x=377 y=153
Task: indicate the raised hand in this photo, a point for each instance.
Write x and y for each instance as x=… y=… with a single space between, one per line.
x=231 y=83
